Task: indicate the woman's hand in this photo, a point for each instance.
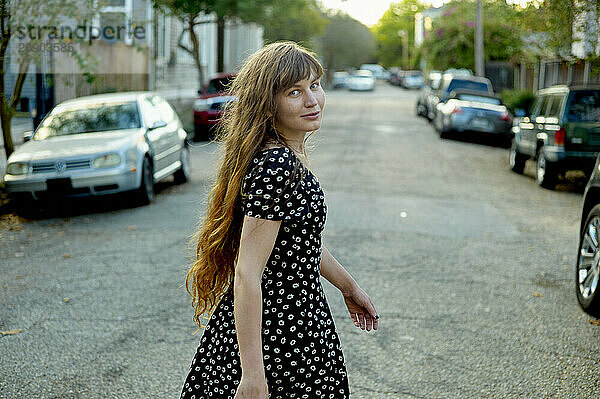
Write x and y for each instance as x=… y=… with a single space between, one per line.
x=252 y=388
x=361 y=308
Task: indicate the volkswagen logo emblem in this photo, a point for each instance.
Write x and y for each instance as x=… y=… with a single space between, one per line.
x=60 y=166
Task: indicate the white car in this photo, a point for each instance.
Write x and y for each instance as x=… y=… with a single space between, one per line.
x=102 y=144
x=361 y=80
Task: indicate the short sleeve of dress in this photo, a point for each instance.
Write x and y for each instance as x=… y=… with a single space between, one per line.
x=271 y=190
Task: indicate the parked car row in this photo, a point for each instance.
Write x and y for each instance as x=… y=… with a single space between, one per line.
x=358 y=80
x=98 y=145
x=560 y=133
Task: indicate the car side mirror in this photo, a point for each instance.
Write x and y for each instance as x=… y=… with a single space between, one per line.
x=158 y=125
x=27 y=135
x=200 y=92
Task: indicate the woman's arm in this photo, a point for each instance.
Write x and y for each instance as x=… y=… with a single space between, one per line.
x=256 y=243
x=361 y=308
x=335 y=273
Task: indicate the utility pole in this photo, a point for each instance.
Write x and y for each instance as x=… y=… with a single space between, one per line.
x=479 y=67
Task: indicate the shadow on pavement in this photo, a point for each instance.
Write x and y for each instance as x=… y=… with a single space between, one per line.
x=67 y=207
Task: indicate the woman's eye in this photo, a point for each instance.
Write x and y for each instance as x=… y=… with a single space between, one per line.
x=294 y=92
x=315 y=85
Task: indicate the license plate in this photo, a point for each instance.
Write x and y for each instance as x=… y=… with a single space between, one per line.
x=480 y=124
x=59 y=186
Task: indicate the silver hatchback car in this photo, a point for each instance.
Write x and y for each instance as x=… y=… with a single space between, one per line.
x=102 y=144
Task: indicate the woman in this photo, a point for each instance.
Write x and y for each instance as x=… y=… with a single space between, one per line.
x=259 y=256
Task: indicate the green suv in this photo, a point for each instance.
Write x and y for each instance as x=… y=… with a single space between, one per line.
x=561 y=132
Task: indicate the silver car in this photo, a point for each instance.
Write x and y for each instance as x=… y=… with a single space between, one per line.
x=102 y=144
x=473 y=111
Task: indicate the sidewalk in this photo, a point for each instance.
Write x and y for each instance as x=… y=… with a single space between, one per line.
x=19 y=126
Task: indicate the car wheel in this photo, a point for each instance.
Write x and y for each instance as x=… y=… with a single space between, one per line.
x=182 y=175
x=516 y=160
x=200 y=133
x=588 y=269
x=145 y=193
x=440 y=128
x=545 y=171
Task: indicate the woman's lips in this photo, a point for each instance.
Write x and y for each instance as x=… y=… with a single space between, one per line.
x=312 y=116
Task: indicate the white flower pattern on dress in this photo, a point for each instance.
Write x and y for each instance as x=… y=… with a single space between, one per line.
x=302 y=353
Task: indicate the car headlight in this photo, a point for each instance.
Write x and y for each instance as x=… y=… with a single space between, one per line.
x=17 y=168
x=131 y=156
x=201 y=105
x=107 y=161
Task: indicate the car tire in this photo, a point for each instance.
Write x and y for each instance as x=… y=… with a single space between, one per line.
x=587 y=270
x=200 y=133
x=144 y=195
x=182 y=175
x=440 y=128
x=545 y=171
x=516 y=160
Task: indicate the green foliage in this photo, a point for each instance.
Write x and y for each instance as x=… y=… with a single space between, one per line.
x=246 y=10
x=553 y=17
x=450 y=44
x=296 y=20
x=400 y=17
x=345 y=42
x=514 y=99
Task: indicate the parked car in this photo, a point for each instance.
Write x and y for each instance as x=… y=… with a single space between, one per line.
x=395 y=76
x=451 y=83
x=413 y=80
x=561 y=132
x=209 y=106
x=379 y=72
x=587 y=268
x=339 y=79
x=361 y=80
x=102 y=144
x=474 y=111
x=432 y=83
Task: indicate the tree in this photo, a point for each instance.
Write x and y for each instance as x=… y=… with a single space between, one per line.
x=450 y=44
x=30 y=23
x=397 y=21
x=345 y=42
x=296 y=20
x=192 y=12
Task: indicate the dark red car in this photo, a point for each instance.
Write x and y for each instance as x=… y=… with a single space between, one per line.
x=208 y=107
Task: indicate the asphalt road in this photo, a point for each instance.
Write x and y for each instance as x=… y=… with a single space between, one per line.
x=471 y=268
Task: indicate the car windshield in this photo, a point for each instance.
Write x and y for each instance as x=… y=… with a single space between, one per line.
x=584 y=106
x=467 y=85
x=479 y=99
x=218 y=85
x=88 y=119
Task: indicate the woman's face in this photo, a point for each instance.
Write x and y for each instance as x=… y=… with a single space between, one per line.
x=299 y=108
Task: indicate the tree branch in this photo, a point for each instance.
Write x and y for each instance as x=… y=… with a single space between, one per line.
x=181 y=45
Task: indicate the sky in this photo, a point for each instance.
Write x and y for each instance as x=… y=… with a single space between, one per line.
x=369 y=12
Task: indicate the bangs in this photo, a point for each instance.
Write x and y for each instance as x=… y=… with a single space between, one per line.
x=295 y=66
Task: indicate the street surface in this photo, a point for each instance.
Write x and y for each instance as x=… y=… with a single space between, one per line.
x=470 y=266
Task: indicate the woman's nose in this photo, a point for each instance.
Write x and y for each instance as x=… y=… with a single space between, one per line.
x=310 y=100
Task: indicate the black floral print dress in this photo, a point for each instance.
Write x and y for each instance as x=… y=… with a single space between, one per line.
x=302 y=353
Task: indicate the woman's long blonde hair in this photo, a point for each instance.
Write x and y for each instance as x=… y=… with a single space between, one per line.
x=247 y=126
